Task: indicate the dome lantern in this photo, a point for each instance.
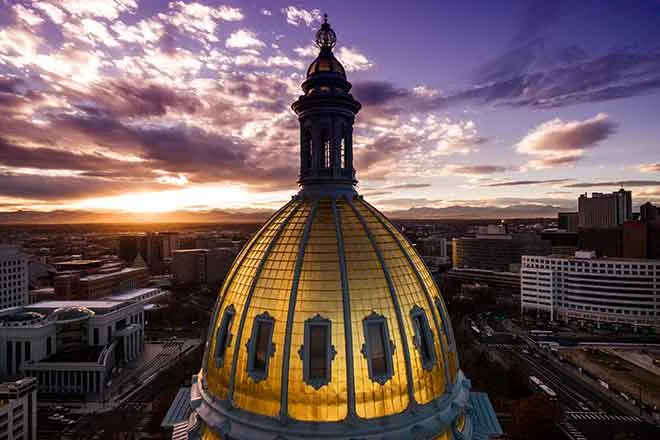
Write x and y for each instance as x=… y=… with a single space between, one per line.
x=326 y=113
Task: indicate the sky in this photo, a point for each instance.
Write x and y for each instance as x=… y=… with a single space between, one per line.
x=511 y=108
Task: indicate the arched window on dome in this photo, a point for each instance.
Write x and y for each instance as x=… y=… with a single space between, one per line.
x=423 y=338
x=223 y=335
x=260 y=347
x=378 y=348
x=317 y=352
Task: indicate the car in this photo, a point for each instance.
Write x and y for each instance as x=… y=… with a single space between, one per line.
x=56 y=417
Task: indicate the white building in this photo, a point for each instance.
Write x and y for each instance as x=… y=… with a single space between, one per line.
x=18 y=410
x=13 y=277
x=73 y=346
x=623 y=291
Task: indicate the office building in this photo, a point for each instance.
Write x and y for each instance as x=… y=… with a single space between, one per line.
x=13 y=277
x=604 y=210
x=634 y=239
x=329 y=319
x=201 y=266
x=155 y=248
x=18 y=409
x=72 y=347
x=89 y=279
x=505 y=285
x=648 y=212
x=586 y=288
x=493 y=249
x=568 y=221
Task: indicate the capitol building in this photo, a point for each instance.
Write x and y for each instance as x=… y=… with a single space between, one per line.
x=329 y=325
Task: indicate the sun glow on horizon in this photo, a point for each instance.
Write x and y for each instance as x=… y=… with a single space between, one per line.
x=194 y=198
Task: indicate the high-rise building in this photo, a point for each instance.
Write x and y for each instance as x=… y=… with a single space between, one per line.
x=604 y=210
x=13 y=277
x=496 y=251
x=648 y=212
x=329 y=324
x=201 y=266
x=621 y=291
x=18 y=410
x=568 y=221
x=634 y=239
x=189 y=266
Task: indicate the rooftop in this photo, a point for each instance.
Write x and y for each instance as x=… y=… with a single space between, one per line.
x=134 y=294
x=98 y=276
x=97 y=306
x=85 y=354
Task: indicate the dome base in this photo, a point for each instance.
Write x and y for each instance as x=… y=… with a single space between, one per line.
x=418 y=422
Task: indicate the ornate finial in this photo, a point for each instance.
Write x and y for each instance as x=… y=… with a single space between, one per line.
x=326 y=37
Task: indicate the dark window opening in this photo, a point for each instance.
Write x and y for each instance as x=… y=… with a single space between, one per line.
x=260 y=347
x=318 y=351
x=96 y=336
x=423 y=338
x=223 y=338
x=376 y=339
x=378 y=348
x=49 y=346
x=260 y=359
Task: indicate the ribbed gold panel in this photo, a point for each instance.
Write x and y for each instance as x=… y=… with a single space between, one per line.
x=218 y=378
x=433 y=292
x=271 y=294
x=319 y=292
x=428 y=385
x=369 y=293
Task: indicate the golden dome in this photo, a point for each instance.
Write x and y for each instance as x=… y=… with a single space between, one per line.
x=342 y=262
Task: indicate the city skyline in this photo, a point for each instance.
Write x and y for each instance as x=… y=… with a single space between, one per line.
x=155 y=107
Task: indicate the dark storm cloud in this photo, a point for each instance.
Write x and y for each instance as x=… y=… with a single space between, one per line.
x=50 y=158
x=41 y=187
x=527 y=182
x=621 y=183
x=408 y=186
x=475 y=169
x=130 y=99
x=375 y=93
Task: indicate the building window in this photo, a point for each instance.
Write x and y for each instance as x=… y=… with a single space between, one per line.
x=378 y=348
x=260 y=346
x=223 y=336
x=49 y=346
x=96 y=336
x=423 y=338
x=317 y=352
